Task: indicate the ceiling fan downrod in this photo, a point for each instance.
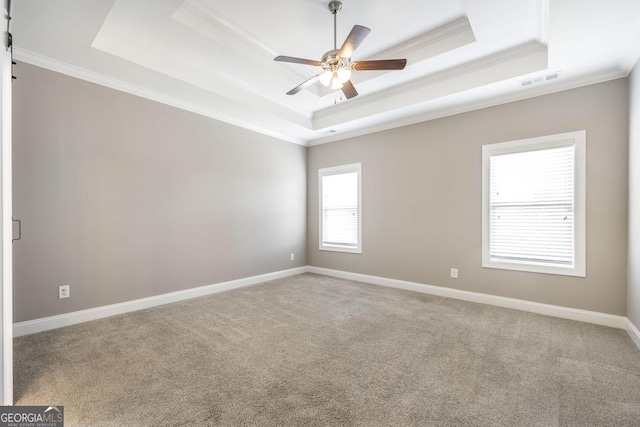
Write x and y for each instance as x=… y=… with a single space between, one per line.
x=334 y=8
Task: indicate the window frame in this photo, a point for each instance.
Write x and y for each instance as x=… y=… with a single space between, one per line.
x=578 y=140
x=338 y=170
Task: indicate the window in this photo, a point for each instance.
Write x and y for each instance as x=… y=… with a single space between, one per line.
x=533 y=204
x=340 y=212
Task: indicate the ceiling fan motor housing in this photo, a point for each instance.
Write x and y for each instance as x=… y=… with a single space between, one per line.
x=331 y=61
x=335 y=6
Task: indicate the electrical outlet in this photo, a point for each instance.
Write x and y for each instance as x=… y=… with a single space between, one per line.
x=63 y=292
x=454 y=273
x=293 y=256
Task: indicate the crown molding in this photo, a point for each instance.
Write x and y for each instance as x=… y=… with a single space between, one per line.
x=632 y=53
x=543 y=21
x=110 y=40
x=454 y=28
x=445 y=38
x=342 y=113
x=432 y=43
x=103 y=80
x=203 y=19
x=100 y=79
x=447 y=74
x=211 y=16
x=531 y=92
x=122 y=86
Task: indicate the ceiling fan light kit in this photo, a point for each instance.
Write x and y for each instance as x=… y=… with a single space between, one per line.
x=336 y=63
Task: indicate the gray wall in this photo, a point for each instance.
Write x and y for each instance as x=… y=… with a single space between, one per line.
x=633 y=283
x=124 y=198
x=422 y=198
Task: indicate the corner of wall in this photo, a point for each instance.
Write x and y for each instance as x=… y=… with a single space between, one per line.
x=633 y=260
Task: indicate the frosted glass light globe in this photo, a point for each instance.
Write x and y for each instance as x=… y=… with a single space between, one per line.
x=325 y=78
x=344 y=74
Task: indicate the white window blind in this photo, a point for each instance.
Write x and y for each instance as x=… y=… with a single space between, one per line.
x=533 y=198
x=531 y=206
x=340 y=208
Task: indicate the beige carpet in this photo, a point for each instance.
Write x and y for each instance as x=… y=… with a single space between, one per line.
x=313 y=350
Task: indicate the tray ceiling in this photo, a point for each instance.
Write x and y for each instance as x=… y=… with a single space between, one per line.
x=215 y=57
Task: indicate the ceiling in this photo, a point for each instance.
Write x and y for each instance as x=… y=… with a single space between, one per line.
x=215 y=57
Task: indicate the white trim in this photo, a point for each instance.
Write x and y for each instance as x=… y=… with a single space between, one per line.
x=214 y=18
x=194 y=10
x=543 y=21
x=6 y=228
x=633 y=332
x=448 y=37
x=533 y=91
x=334 y=115
x=122 y=86
x=427 y=40
x=630 y=58
x=67 y=319
x=103 y=80
x=208 y=21
x=576 y=139
x=594 y=317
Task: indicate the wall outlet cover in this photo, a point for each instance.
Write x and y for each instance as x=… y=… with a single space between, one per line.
x=63 y=292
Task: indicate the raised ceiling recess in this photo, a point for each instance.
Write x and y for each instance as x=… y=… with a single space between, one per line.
x=216 y=57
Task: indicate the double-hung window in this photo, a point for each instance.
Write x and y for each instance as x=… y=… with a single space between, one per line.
x=340 y=208
x=533 y=204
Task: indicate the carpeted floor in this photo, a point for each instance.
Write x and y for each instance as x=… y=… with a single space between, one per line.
x=314 y=350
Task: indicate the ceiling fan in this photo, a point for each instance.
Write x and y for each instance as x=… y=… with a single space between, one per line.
x=337 y=63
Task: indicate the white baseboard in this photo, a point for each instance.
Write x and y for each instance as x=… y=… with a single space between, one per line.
x=633 y=332
x=603 y=319
x=54 y=322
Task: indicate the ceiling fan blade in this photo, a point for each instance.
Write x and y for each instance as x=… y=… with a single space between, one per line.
x=297 y=60
x=383 y=64
x=356 y=36
x=348 y=90
x=303 y=86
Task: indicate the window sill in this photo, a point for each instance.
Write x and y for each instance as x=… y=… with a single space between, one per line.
x=532 y=267
x=340 y=249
